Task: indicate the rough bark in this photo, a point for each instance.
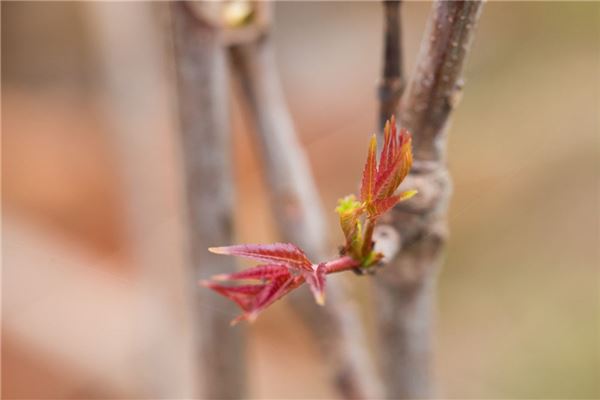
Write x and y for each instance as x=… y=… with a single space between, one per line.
x=202 y=82
x=336 y=327
x=413 y=235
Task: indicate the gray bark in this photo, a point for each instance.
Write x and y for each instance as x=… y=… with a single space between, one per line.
x=414 y=233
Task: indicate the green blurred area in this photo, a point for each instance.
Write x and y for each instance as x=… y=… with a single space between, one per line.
x=519 y=294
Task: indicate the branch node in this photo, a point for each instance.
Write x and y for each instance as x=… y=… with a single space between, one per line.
x=387 y=241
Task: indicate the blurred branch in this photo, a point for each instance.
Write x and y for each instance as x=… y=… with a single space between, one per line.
x=392 y=83
x=298 y=212
x=202 y=82
x=135 y=98
x=405 y=289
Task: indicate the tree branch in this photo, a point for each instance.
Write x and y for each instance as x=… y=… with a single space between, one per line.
x=392 y=83
x=436 y=87
x=298 y=212
x=202 y=83
x=135 y=96
x=416 y=230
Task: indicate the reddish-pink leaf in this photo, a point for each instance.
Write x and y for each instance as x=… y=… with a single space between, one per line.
x=243 y=295
x=253 y=298
x=405 y=159
x=278 y=288
x=384 y=159
x=382 y=205
x=227 y=290
x=385 y=179
x=260 y=272
x=369 y=171
x=393 y=138
x=273 y=291
x=285 y=253
x=393 y=173
x=316 y=281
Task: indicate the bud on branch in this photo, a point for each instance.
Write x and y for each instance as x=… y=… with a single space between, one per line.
x=285 y=267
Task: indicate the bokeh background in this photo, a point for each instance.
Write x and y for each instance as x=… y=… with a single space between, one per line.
x=518 y=305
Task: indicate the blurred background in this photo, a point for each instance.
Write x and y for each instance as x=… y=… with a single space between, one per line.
x=518 y=305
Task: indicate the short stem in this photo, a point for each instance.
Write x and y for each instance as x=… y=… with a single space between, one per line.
x=368 y=238
x=341 y=264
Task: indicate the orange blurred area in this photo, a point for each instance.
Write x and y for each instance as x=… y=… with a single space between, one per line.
x=518 y=306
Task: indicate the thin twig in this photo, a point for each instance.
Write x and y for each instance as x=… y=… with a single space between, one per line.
x=298 y=212
x=392 y=83
x=202 y=82
x=405 y=288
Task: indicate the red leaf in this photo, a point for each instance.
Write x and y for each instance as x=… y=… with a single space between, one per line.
x=369 y=172
x=405 y=158
x=285 y=253
x=393 y=146
x=280 y=286
x=243 y=295
x=390 y=175
x=385 y=179
x=260 y=272
x=383 y=205
x=385 y=153
x=254 y=298
x=272 y=292
x=316 y=281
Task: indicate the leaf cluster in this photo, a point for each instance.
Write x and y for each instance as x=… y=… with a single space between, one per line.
x=284 y=266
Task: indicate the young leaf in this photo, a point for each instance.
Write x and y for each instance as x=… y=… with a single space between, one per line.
x=392 y=140
x=369 y=172
x=253 y=298
x=242 y=295
x=316 y=281
x=258 y=273
x=386 y=154
x=272 y=292
x=356 y=242
x=349 y=210
x=393 y=172
x=381 y=206
x=407 y=194
x=404 y=160
x=285 y=253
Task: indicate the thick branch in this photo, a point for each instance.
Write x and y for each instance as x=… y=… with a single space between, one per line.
x=337 y=327
x=202 y=82
x=406 y=286
x=436 y=87
x=392 y=83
